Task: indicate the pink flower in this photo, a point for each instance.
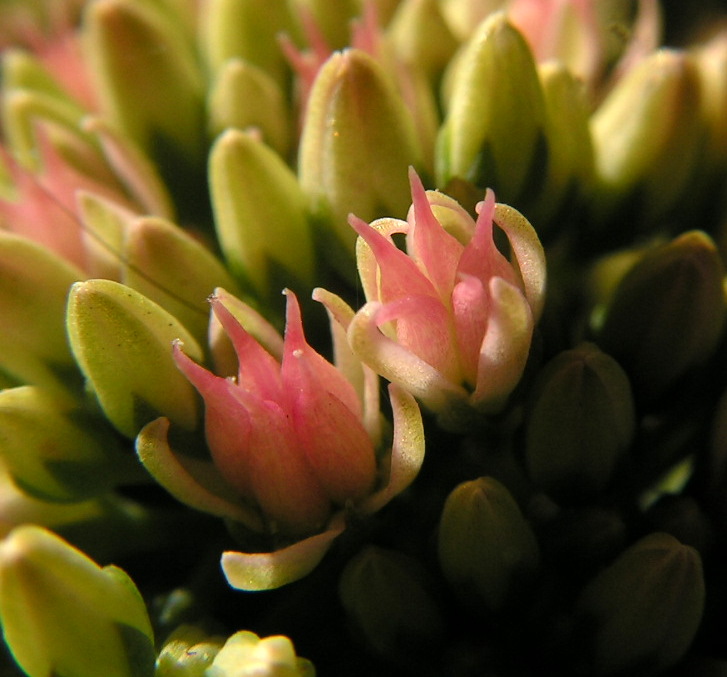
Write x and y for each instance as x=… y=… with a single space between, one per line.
x=295 y=441
x=287 y=435
x=450 y=319
x=46 y=30
x=44 y=208
x=576 y=33
x=46 y=204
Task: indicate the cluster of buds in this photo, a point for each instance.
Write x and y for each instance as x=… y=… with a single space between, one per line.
x=500 y=230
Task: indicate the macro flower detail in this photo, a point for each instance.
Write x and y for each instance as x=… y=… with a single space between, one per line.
x=450 y=319
x=290 y=436
x=278 y=433
x=168 y=167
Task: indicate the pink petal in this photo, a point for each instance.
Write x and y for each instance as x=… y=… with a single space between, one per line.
x=399 y=275
x=327 y=416
x=253 y=444
x=336 y=445
x=470 y=306
x=368 y=267
x=505 y=346
x=320 y=374
x=434 y=250
x=399 y=365
x=38 y=215
x=282 y=481
x=259 y=371
x=423 y=326
x=364 y=380
x=480 y=257
x=227 y=422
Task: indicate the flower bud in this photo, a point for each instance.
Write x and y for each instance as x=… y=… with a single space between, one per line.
x=486 y=548
x=387 y=598
x=645 y=608
x=684 y=518
x=17 y=507
x=357 y=143
x=571 y=32
x=245 y=654
x=34 y=284
x=55 y=451
x=183 y=273
x=260 y=215
x=420 y=35
x=134 y=169
x=464 y=16
x=647 y=140
x=247 y=30
x=278 y=432
x=570 y=151
x=187 y=652
x=667 y=313
x=580 y=422
x=711 y=60
x=245 y=96
x=584 y=538
x=147 y=79
x=23 y=71
x=715 y=479
x=494 y=140
x=332 y=19
x=102 y=239
x=122 y=343
x=25 y=111
x=62 y=614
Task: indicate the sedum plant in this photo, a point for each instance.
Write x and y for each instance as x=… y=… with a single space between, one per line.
x=362 y=337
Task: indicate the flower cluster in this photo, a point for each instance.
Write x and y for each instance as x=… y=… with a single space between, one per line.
x=484 y=429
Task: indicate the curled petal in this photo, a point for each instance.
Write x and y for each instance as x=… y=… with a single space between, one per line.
x=183 y=480
x=269 y=570
x=400 y=275
x=399 y=365
x=505 y=346
x=453 y=217
x=407 y=452
x=365 y=381
x=368 y=267
x=528 y=252
x=340 y=315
